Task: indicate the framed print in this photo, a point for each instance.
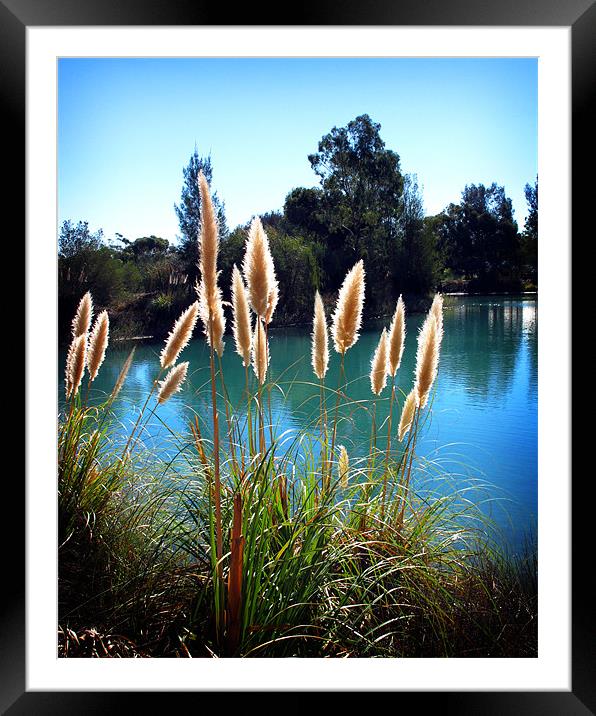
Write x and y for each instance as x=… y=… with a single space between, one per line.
x=90 y=90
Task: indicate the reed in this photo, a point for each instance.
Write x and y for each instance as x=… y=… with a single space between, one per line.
x=407 y=413
x=75 y=364
x=208 y=291
x=172 y=383
x=320 y=349
x=241 y=323
x=320 y=364
x=82 y=319
x=98 y=343
x=211 y=311
x=437 y=311
x=427 y=358
x=260 y=363
x=179 y=337
x=346 y=322
x=259 y=272
x=396 y=341
x=378 y=366
x=348 y=311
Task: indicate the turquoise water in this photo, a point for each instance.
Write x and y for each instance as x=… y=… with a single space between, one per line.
x=481 y=429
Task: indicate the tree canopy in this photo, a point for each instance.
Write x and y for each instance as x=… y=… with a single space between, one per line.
x=479 y=237
x=189 y=211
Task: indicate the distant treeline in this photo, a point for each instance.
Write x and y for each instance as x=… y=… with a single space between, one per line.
x=364 y=207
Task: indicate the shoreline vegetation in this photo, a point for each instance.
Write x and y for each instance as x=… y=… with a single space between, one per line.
x=364 y=206
x=270 y=545
x=418 y=304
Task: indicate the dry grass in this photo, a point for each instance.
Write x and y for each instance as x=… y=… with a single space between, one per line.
x=98 y=343
x=172 y=383
x=320 y=349
x=348 y=311
x=179 y=337
x=378 y=366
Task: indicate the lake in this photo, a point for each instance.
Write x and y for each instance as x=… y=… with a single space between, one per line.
x=482 y=429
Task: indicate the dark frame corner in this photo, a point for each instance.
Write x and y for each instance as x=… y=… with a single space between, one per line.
x=580 y=15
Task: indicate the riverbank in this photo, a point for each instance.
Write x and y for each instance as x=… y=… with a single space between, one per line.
x=148 y=316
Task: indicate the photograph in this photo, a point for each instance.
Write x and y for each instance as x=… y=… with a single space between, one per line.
x=297 y=374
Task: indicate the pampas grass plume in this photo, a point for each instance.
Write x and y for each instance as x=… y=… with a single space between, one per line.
x=348 y=311
x=180 y=335
x=259 y=272
x=378 y=370
x=98 y=342
x=260 y=352
x=427 y=358
x=437 y=311
x=407 y=413
x=82 y=320
x=397 y=337
x=241 y=324
x=123 y=373
x=209 y=293
x=172 y=382
x=320 y=349
x=75 y=364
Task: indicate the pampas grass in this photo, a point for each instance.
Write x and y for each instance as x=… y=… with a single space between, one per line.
x=348 y=311
x=209 y=293
x=75 y=364
x=259 y=272
x=427 y=358
x=122 y=375
x=320 y=349
x=272 y=300
x=260 y=352
x=179 y=337
x=378 y=370
x=397 y=337
x=437 y=311
x=407 y=413
x=82 y=320
x=241 y=323
x=172 y=382
x=98 y=342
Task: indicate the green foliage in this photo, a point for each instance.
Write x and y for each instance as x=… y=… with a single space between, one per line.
x=479 y=239
x=360 y=203
x=529 y=237
x=85 y=263
x=189 y=212
x=364 y=207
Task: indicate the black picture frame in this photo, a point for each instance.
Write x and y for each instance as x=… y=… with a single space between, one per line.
x=17 y=15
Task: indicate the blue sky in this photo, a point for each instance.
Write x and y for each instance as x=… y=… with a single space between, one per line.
x=127 y=127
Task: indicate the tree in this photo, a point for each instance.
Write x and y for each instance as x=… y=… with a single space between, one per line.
x=303 y=209
x=530 y=234
x=359 y=204
x=85 y=263
x=74 y=240
x=479 y=238
x=416 y=259
x=189 y=212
